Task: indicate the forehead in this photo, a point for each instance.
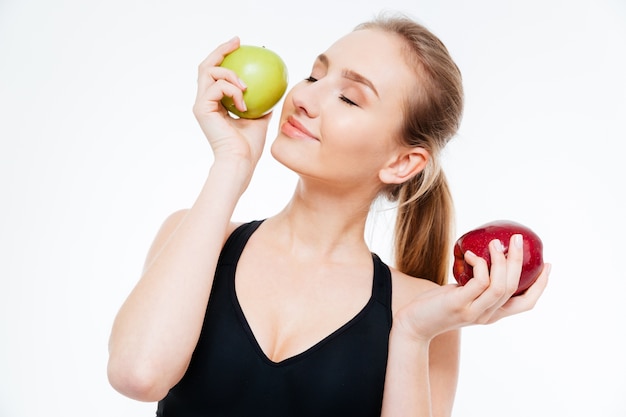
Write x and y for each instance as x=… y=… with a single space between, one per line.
x=377 y=55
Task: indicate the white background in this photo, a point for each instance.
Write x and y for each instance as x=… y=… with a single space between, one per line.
x=98 y=144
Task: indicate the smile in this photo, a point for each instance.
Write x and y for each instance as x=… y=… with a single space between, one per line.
x=295 y=129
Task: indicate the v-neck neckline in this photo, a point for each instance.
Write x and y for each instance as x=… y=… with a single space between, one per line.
x=311 y=349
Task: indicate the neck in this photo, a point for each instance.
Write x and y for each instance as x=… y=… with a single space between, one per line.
x=320 y=221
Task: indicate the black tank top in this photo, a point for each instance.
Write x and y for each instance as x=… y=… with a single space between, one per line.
x=230 y=376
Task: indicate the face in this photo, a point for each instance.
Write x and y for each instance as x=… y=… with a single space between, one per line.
x=340 y=126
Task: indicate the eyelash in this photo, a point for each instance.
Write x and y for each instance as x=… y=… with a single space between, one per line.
x=343 y=98
x=347 y=100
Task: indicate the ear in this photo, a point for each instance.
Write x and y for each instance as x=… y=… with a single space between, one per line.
x=404 y=165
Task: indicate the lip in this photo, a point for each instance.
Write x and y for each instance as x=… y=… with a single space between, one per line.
x=294 y=129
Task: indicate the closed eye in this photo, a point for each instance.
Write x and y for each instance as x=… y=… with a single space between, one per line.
x=311 y=79
x=347 y=100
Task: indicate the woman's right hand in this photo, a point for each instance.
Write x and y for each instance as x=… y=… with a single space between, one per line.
x=242 y=139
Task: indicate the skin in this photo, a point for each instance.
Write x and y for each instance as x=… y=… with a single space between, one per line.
x=288 y=277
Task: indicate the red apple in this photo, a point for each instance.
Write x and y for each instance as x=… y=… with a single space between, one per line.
x=265 y=75
x=478 y=240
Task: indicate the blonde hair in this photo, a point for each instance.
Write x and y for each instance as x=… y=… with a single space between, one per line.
x=425 y=219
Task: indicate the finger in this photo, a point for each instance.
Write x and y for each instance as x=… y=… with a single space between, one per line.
x=515 y=260
x=528 y=299
x=505 y=274
x=525 y=301
x=541 y=283
x=209 y=101
x=480 y=282
x=216 y=57
x=499 y=287
x=224 y=82
x=496 y=293
x=214 y=74
x=224 y=88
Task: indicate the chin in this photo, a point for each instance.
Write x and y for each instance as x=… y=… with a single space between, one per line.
x=279 y=150
x=293 y=157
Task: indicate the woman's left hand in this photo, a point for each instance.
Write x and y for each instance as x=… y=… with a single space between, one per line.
x=485 y=299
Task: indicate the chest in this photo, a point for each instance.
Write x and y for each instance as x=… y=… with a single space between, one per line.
x=290 y=307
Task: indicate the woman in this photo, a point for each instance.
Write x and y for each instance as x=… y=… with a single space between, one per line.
x=294 y=316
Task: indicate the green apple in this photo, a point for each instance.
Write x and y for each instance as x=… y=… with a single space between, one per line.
x=265 y=75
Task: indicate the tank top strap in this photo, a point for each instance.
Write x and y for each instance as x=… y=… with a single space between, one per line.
x=381 y=291
x=231 y=252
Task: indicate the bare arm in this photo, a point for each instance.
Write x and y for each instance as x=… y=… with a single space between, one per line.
x=443 y=365
x=158 y=326
x=421 y=376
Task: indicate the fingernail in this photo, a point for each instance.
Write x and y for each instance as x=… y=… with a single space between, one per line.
x=497 y=244
x=469 y=253
x=242 y=84
x=518 y=241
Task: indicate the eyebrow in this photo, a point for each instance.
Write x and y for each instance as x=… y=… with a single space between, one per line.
x=351 y=75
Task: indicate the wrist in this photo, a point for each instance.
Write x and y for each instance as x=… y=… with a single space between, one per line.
x=232 y=170
x=401 y=335
x=412 y=329
x=224 y=185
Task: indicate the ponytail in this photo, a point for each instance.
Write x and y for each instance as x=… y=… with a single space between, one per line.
x=425 y=219
x=424 y=229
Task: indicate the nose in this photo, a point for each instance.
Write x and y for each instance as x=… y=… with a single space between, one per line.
x=306 y=98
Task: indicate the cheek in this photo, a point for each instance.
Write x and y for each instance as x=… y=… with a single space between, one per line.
x=352 y=160
x=357 y=140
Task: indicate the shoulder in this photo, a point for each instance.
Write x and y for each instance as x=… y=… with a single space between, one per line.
x=406 y=288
